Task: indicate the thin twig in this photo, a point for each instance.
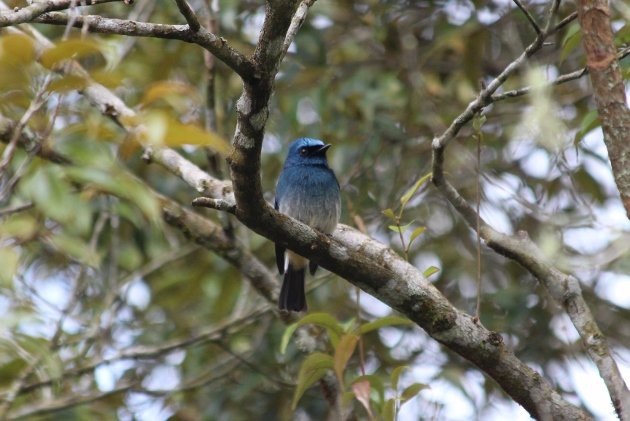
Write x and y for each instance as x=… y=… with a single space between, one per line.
x=34 y=106
x=189 y=14
x=478 y=199
x=529 y=17
x=296 y=23
x=15 y=209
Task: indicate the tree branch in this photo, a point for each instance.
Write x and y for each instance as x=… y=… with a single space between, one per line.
x=68 y=402
x=296 y=23
x=218 y=46
x=564 y=288
x=529 y=17
x=189 y=14
x=187 y=171
x=567 y=77
x=36 y=9
x=609 y=92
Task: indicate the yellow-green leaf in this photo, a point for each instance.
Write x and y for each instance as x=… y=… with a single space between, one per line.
x=343 y=352
x=572 y=40
x=69 y=49
x=389 y=410
x=401 y=228
x=409 y=193
x=412 y=391
x=9 y=260
x=430 y=271
x=162 y=89
x=161 y=129
x=117 y=182
x=389 y=213
x=17 y=49
x=313 y=368
x=75 y=248
x=415 y=233
x=321 y=319
x=67 y=83
x=478 y=122
x=22 y=226
x=383 y=321
x=396 y=376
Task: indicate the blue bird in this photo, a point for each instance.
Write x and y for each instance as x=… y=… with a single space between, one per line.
x=308 y=191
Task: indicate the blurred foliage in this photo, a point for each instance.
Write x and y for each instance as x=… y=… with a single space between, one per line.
x=89 y=263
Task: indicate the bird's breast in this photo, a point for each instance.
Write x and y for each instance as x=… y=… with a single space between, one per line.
x=312 y=197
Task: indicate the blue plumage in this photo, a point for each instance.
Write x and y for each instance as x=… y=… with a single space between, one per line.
x=308 y=191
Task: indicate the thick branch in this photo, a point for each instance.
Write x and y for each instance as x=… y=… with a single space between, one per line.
x=608 y=90
x=218 y=46
x=36 y=9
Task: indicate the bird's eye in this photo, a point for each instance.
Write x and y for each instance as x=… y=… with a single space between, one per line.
x=303 y=152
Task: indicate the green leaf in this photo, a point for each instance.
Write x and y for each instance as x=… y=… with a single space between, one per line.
x=389 y=213
x=588 y=123
x=54 y=198
x=75 y=248
x=430 y=271
x=162 y=129
x=67 y=83
x=344 y=350
x=22 y=226
x=382 y=322
x=17 y=49
x=69 y=49
x=478 y=122
x=622 y=36
x=163 y=89
x=415 y=233
x=389 y=410
x=412 y=391
x=396 y=376
x=321 y=319
x=401 y=228
x=9 y=260
x=313 y=368
x=408 y=195
x=571 y=41
x=115 y=181
x=288 y=332
x=349 y=325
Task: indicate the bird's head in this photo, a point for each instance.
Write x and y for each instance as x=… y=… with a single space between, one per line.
x=307 y=151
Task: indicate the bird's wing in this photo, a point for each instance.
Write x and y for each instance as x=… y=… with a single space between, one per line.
x=279 y=249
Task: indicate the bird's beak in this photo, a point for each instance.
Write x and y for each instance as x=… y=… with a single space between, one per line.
x=324 y=148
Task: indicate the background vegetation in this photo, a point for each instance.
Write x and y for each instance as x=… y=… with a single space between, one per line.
x=111 y=308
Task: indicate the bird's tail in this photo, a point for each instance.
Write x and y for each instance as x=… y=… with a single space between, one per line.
x=292 y=295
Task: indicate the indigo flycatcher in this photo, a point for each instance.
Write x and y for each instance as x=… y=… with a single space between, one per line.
x=308 y=191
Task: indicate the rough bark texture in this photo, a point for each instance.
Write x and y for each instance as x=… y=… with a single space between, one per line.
x=608 y=89
x=610 y=97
